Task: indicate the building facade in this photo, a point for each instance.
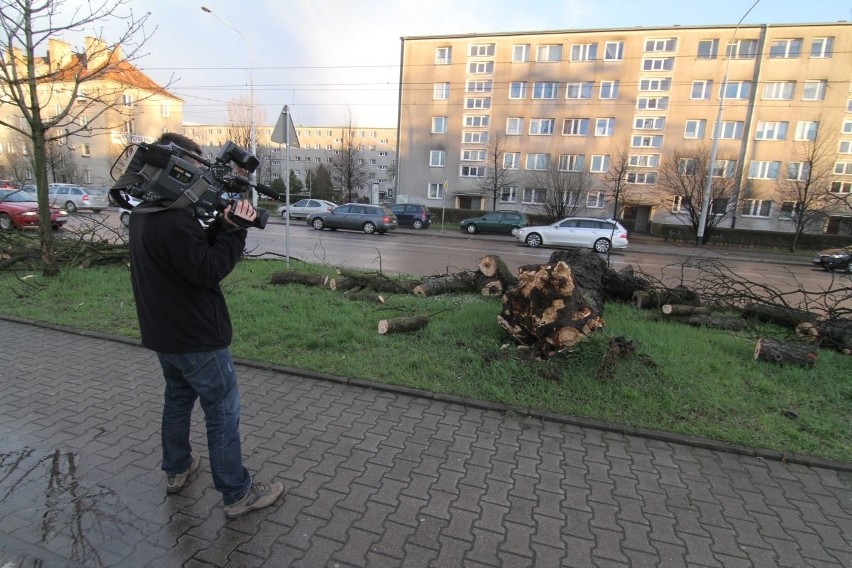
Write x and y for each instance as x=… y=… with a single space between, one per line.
x=579 y=101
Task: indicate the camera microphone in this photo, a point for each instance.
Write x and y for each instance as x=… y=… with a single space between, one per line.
x=267 y=191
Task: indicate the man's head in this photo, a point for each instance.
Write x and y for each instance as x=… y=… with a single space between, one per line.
x=184 y=142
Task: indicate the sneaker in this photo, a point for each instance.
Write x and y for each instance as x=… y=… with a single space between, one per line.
x=259 y=495
x=178 y=481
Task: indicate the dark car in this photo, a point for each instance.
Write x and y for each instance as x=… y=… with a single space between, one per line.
x=508 y=222
x=835 y=259
x=19 y=209
x=410 y=215
x=356 y=216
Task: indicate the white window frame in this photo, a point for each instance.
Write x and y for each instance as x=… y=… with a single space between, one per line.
x=512 y=160
x=485 y=86
x=643 y=160
x=480 y=68
x=571 y=162
x=608 y=90
x=790 y=48
x=724 y=169
x=652 y=103
x=439 y=125
x=814 y=90
x=521 y=53
x=537 y=162
x=481 y=50
x=534 y=195
x=477 y=121
x=667 y=45
x=605 y=126
x=518 y=90
x=443 y=55
x=846 y=127
x=514 y=126
x=741 y=49
x=756 y=208
x=584 y=52
x=542 y=126
x=841 y=187
x=701 y=90
x=596 y=199
x=579 y=91
x=764 y=169
x=656 y=123
x=729 y=130
x=711 y=53
x=441 y=91
x=693 y=129
x=798 y=171
x=646 y=141
x=477 y=155
x=779 y=90
x=790 y=209
x=435 y=191
x=822 y=47
x=599 y=163
x=655 y=84
x=843 y=168
x=509 y=194
x=845 y=147
x=472 y=103
x=474 y=137
x=466 y=171
x=806 y=130
x=771 y=130
x=437 y=158
x=658 y=64
x=613 y=51
x=545 y=90
x=735 y=90
x=575 y=127
x=550 y=53
x=642 y=178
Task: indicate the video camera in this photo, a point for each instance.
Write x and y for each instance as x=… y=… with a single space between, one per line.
x=167 y=171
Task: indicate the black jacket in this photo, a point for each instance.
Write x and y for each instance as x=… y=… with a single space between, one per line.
x=176 y=266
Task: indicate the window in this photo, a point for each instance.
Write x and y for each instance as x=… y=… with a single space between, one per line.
x=652 y=103
x=509 y=194
x=436 y=191
x=533 y=195
x=518 y=90
x=806 y=130
x=790 y=209
x=477 y=121
x=578 y=90
x=785 y=48
x=479 y=86
x=841 y=187
x=687 y=166
x=798 y=171
x=755 y=208
x=663 y=84
x=87 y=176
x=642 y=178
x=538 y=161
x=472 y=171
x=480 y=137
x=847 y=127
x=644 y=160
x=164 y=110
x=779 y=90
x=604 y=126
x=473 y=155
x=649 y=123
x=701 y=89
x=708 y=49
x=614 y=51
x=595 y=199
x=694 y=129
x=127 y=100
x=571 y=198
x=763 y=170
x=571 y=162
x=437 y=158
x=771 y=130
x=545 y=90
x=521 y=53
x=584 y=52
x=575 y=127
x=600 y=164
x=439 y=124
x=843 y=168
x=477 y=102
x=658 y=64
x=86 y=149
x=609 y=90
x=814 y=91
x=730 y=130
x=680 y=204
x=669 y=44
x=441 y=91
x=742 y=49
x=647 y=141
x=735 y=90
x=512 y=160
x=514 y=125
x=845 y=147
x=481 y=50
x=719 y=206
x=549 y=53
x=480 y=67
x=541 y=126
x=822 y=46
x=443 y=55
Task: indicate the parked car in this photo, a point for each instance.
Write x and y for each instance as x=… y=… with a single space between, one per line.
x=9 y=184
x=599 y=234
x=124 y=214
x=304 y=207
x=73 y=197
x=835 y=259
x=495 y=222
x=411 y=215
x=19 y=209
x=30 y=188
x=356 y=216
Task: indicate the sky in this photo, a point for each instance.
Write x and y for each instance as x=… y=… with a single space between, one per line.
x=329 y=60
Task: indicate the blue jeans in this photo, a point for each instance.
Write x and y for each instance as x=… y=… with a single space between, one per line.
x=210 y=377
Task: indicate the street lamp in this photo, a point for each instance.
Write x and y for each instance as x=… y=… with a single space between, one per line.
x=252 y=130
x=708 y=183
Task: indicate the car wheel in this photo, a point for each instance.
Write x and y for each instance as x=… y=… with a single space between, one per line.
x=381 y=232
x=5 y=222
x=471 y=228
x=533 y=240
x=70 y=207
x=602 y=245
x=96 y=210
x=125 y=218
x=514 y=231
x=417 y=224
x=284 y=215
x=318 y=224
x=369 y=228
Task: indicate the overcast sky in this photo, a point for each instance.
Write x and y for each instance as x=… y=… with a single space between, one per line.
x=327 y=58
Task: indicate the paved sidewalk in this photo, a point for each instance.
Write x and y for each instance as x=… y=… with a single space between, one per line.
x=374 y=478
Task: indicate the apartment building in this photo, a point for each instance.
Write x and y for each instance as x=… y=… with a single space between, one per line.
x=121 y=106
x=574 y=100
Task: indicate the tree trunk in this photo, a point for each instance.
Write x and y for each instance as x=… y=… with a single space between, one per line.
x=620 y=286
x=642 y=299
x=835 y=335
x=779 y=315
x=785 y=352
x=489 y=286
x=403 y=324
x=727 y=324
x=493 y=265
x=682 y=310
x=299 y=278
x=449 y=283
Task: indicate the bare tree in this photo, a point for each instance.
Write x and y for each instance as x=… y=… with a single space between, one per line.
x=51 y=93
x=348 y=164
x=683 y=174
x=806 y=188
x=498 y=176
x=562 y=191
x=617 y=179
x=239 y=111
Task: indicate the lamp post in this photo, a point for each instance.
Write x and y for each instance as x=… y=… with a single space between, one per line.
x=708 y=183
x=252 y=130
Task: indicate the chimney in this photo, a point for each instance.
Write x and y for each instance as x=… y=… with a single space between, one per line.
x=98 y=53
x=59 y=53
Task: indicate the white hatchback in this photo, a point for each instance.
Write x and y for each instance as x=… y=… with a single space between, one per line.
x=305 y=207
x=586 y=232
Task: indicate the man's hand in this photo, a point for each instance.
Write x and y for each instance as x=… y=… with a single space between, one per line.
x=243 y=210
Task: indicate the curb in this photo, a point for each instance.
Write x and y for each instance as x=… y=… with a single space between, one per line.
x=693 y=441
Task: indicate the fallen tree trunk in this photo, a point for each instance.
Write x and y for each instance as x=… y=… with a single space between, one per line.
x=489 y=286
x=727 y=324
x=682 y=310
x=622 y=285
x=446 y=284
x=835 y=335
x=299 y=278
x=779 y=315
x=785 y=352
x=403 y=324
x=493 y=265
x=376 y=282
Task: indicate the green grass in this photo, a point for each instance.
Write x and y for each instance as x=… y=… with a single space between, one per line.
x=679 y=379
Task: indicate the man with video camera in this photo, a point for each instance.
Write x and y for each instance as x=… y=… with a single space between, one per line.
x=176 y=267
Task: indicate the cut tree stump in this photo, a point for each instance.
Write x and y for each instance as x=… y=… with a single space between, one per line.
x=835 y=335
x=682 y=310
x=493 y=265
x=785 y=352
x=403 y=324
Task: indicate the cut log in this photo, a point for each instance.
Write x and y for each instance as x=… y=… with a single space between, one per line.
x=489 y=286
x=779 y=315
x=446 y=284
x=364 y=296
x=403 y=324
x=493 y=265
x=299 y=278
x=727 y=324
x=785 y=352
x=682 y=310
x=620 y=286
x=835 y=335
x=642 y=299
